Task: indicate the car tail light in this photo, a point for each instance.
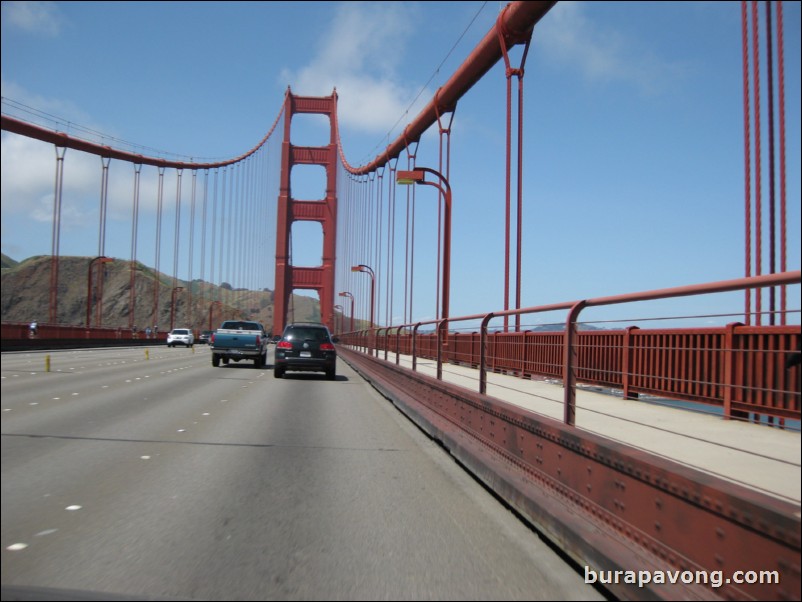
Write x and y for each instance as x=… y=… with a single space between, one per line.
x=326 y=347
x=211 y=339
x=284 y=345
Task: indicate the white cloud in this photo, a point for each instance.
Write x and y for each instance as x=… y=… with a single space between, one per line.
x=28 y=184
x=358 y=56
x=569 y=38
x=28 y=167
x=50 y=113
x=34 y=17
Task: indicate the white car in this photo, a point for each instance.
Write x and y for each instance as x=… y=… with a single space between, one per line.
x=180 y=336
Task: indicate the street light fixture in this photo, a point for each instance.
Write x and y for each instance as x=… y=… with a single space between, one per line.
x=340 y=329
x=172 y=306
x=418 y=176
x=363 y=268
x=350 y=296
x=102 y=259
x=212 y=305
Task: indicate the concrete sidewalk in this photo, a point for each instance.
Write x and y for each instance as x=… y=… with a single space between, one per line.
x=763 y=458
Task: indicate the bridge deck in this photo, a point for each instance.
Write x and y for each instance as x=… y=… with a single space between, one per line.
x=757 y=456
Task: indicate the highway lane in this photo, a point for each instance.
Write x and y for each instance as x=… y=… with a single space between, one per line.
x=167 y=478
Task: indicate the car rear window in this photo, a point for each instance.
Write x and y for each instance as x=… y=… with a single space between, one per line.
x=241 y=326
x=307 y=334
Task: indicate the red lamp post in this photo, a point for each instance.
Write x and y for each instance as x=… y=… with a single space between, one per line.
x=102 y=259
x=350 y=296
x=172 y=306
x=418 y=176
x=363 y=268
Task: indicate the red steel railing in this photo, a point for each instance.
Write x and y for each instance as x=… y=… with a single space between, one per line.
x=743 y=369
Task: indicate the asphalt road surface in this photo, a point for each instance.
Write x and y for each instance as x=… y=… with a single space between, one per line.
x=165 y=478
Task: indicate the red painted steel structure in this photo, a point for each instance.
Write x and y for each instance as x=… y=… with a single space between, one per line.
x=519 y=20
x=552 y=457
x=608 y=506
x=739 y=368
x=62 y=141
x=444 y=188
x=290 y=210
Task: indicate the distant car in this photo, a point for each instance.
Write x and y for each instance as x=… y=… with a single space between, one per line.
x=306 y=347
x=205 y=336
x=180 y=336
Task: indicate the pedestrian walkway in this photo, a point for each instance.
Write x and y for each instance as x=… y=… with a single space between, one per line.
x=761 y=457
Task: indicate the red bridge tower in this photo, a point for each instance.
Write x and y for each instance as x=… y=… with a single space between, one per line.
x=288 y=277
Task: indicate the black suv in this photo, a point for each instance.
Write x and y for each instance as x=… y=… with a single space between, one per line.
x=307 y=347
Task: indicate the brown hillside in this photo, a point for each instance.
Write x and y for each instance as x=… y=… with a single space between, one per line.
x=26 y=293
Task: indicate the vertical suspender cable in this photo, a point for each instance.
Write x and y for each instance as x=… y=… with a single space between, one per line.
x=222 y=251
x=747 y=162
x=391 y=188
x=179 y=174
x=771 y=176
x=444 y=167
x=213 y=250
x=134 y=228
x=410 y=231
x=758 y=200
x=191 y=318
x=56 y=234
x=157 y=275
x=783 y=224
x=204 y=206
x=504 y=37
x=379 y=232
x=229 y=246
x=519 y=261
x=104 y=203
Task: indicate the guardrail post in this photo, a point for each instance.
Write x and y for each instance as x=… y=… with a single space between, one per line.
x=483 y=354
x=440 y=326
x=569 y=367
x=415 y=347
x=729 y=367
x=626 y=363
x=398 y=346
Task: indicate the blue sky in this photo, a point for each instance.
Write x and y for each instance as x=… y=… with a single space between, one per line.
x=633 y=144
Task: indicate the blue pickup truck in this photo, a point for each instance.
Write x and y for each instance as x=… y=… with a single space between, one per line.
x=239 y=340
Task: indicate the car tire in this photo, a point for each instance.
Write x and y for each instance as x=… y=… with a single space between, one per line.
x=215 y=360
x=331 y=374
x=278 y=372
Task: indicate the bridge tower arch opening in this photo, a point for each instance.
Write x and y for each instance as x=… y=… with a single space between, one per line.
x=290 y=210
